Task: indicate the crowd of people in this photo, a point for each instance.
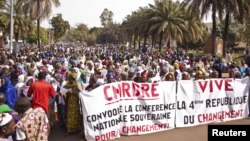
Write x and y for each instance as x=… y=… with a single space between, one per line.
x=41 y=88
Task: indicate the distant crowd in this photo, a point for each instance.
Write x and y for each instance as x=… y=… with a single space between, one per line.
x=39 y=89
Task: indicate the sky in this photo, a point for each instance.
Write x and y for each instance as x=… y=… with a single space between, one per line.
x=88 y=11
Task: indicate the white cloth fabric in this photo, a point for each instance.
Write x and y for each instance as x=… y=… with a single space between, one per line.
x=19 y=87
x=8 y=139
x=5 y=118
x=20 y=135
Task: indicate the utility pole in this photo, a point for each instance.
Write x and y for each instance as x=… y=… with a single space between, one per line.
x=49 y=33
x=11 y=26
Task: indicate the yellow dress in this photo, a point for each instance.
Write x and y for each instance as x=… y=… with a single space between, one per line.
x=73 y=109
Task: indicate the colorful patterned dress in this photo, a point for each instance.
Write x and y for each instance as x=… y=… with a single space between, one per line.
x=74 y=120
x=34 y=123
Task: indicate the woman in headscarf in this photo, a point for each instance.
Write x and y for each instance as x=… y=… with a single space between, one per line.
x=144 y=77
x=82 y=81
x=28 y=81
x=214 y=74
x=20 y=84
x=185 y=76
x=9 y=90
x=199 y=75
x=170 y=76
x=92 y=83
x=73 y=121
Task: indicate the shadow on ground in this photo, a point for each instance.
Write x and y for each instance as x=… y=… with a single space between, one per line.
x=58 y=134
x=196 y=133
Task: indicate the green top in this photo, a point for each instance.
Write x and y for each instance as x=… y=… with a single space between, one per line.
x=4 y=108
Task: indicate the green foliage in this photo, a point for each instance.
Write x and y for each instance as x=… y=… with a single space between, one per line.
x=245 y=31
x=113 y=34
x=37 y=10
x=21 y=25
x=91 y=39
x=106 y=17
x=164 y=21
x=60 y=26
x=32 y=36
x=4 y=22
x=78 y=34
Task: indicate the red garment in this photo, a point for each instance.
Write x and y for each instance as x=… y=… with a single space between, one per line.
x=41 y=91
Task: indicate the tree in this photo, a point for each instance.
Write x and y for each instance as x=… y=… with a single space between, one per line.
x=168 y=20
x=60 y=26
x=106 y=17
x=91 y=39
x=3 y=16
x=4 y=23
x=137 y=26
x=21 y=25
x=113 y=34
x=32 y=36
x=164 y=20
x=237 y=10
x=97 y=31
x=78 y=34
x=38 y=10
x=203 y=7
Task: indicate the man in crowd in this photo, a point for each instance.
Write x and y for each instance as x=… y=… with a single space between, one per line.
x=7 y=127
x=41 y=91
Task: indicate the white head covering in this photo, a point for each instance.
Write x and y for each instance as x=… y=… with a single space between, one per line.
x=21 y=78
x=5 y=118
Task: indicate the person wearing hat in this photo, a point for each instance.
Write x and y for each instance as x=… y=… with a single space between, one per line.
x=7 y=127
x=4 y=108
x=131 y=74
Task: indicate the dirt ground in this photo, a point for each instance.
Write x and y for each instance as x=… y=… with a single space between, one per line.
x=197 y=133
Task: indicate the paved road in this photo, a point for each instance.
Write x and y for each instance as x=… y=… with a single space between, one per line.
x=197 y=133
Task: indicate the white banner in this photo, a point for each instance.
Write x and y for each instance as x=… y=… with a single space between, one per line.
x=211 y=100
x=128 y=108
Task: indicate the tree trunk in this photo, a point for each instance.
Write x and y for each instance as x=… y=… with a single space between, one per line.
x=227 y=20
x=185 y=46
x=153 y=39
x=213 y=40
x=169 y=42
x=130 y=42
x=161 y=38
x=145 y=40
x=139 y=44
x=16 y=37
x=38 y=35
x=134 y=42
